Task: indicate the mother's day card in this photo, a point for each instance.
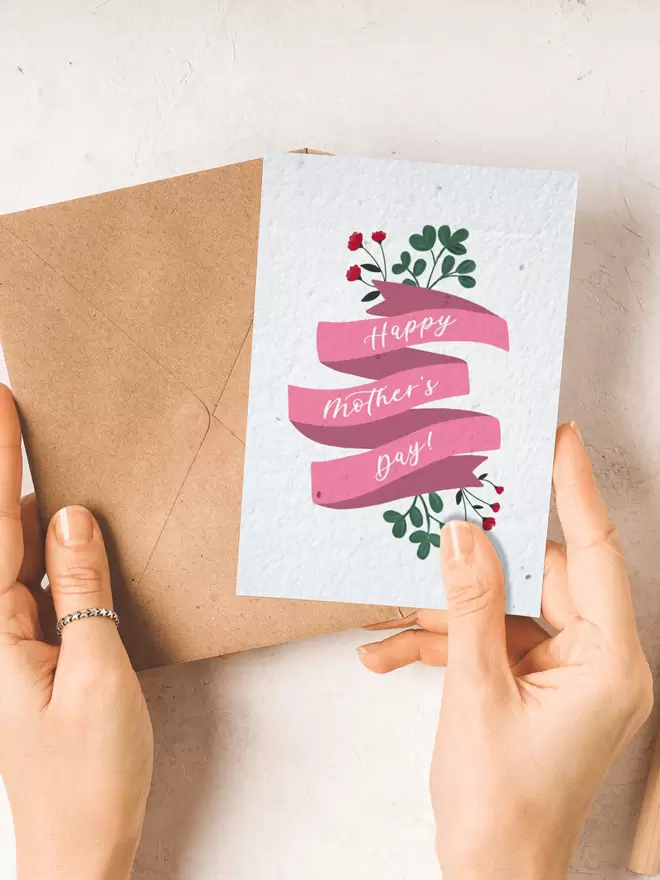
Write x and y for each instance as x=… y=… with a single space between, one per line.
x=406 y=359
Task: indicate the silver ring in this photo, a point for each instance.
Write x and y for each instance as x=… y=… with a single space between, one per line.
x=81 y=615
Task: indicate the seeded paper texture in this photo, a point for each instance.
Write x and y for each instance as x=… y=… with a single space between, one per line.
x=406 y=360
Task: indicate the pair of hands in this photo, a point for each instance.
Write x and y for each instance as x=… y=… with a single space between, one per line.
x=528 y=728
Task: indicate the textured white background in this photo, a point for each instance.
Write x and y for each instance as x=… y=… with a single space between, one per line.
x=296 y=753
x=521 y=233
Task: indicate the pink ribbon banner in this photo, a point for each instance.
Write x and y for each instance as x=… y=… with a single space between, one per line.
x=413 y=449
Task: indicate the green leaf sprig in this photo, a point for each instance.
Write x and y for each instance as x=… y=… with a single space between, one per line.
x=421 y=512
x=451 y=246
x=418 y=513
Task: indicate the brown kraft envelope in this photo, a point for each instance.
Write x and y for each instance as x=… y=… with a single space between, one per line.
x=125 y=319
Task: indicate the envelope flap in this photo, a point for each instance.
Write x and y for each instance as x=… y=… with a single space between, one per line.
x=171 y=263
x=105 y=425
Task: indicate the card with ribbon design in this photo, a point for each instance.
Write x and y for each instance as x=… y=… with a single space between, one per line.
x=408 y=336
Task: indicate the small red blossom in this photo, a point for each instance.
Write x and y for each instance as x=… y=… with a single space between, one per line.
x=354 y=273
x=378 y=236
x=495 y=507
x=488 y=523
x=499 y=489
x=355 y=241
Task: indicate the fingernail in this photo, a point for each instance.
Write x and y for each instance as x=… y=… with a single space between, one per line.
x=576 y=430
x=73 y=527
x=362 y=650
x=461 y=539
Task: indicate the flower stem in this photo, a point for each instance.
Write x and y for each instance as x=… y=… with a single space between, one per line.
x=380 y=245
x=435 y=261
x=464 y=505
x=370 y=286
x=374 y=259
x=466 y=498
x=414 y=502
x=476 y=497
x=442 y=278
x=428 y=516
x=412 y=276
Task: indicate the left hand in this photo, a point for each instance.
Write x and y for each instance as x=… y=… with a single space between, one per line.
x=76 y=744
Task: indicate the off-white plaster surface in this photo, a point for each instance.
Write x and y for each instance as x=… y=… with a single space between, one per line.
x=293 y=762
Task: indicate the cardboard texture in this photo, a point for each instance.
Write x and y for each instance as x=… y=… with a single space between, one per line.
x=125 y=320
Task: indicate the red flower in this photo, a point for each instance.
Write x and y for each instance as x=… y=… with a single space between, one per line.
x=355 y=241
x=499 y=489
x=378 y=236
x=354 y=273
x=488 y=523
x=495 y=507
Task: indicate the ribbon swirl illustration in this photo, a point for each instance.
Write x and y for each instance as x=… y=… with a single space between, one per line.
x=411 y=448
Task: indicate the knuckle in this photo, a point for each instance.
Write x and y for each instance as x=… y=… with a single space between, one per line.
x=378 y=665
x=10 y=512
x=79 y=581
x=608 y=540
x=632 y=682
x=612 y=541
x=468 y=598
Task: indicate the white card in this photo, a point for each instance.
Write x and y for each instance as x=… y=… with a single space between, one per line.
x=372 y=423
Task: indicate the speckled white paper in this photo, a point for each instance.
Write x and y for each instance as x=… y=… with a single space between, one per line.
x=520 y=235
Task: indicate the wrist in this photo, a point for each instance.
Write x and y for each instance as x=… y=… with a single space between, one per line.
x=102 y=862
x=507 y=862
x=526 y=848
x=510 y=872
x=512 y=868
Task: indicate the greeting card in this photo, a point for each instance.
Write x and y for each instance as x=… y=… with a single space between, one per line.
x=406 y=359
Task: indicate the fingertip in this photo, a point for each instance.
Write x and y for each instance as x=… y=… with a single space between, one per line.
x=580 y=505
x=9 y=423
x=386 y=656
x=368 y=657
x=465 y=546
x=76 y=562
x=460 y=543
x=569 y=446
x=33 y=566
x=398 y=622
x=73 y=526
x=575 y=428
x=404 y=649
x=572 y=429
x=5 y=393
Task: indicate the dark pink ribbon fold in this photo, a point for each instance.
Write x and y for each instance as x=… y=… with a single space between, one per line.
x=413 y=449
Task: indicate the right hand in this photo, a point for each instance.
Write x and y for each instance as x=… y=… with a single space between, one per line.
x=76 y=744
x=525 y=740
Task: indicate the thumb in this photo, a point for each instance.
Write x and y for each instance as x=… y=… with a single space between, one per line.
x=77 y=568
x=474 y=582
